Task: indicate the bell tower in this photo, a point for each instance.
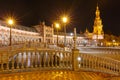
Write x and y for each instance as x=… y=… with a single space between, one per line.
x=98 y=27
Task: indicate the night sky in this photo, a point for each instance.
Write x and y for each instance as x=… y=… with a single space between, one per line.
x=81 y=13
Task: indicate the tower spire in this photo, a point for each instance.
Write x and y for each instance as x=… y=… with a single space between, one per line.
x=86 y=31
x=97 y=22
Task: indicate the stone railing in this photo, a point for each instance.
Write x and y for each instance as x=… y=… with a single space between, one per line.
x=46 y=59
x=89 y=62
x=28 y=60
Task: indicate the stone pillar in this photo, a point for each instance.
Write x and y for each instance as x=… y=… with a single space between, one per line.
x=75 y=54
x=75 y=61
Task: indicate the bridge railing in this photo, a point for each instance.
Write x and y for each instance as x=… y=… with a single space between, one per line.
x=28 y=60
x=46 y=59
x=94 y=63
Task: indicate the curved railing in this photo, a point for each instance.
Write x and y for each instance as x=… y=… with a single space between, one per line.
x=89 y=62
x=28 y=60
x=46 y=59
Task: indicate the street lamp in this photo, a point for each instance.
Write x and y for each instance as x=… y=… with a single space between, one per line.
x=64 y=19
x=10 y=22
x=57 y=26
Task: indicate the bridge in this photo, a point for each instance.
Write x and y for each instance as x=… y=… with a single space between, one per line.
x=33 y=62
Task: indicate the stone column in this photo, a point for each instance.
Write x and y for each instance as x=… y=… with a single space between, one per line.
x=75 y=54
x=75 y=62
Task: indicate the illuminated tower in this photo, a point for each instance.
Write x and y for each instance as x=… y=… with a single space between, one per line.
x=97 y=27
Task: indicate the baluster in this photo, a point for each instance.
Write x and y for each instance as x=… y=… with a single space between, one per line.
x=36 y=59
x=44 y=59
x=31 y=59
x=26 y=59
x=55 y=56
x=17 y=61
x=88 y=57
x=67 y=59
x=81 y=55
x=70 y=64
x=59 y=64
x=117 y=65
x=97 y=63
x=7 y=64
x=22 y=56
x=40 y=59
x=102 y=62
x=2 y=68
x=85 y=61
x=94 y=62
x=79 y=63
x=60 y=60
x=12 y=63
x=107 y=65
x=48 y=61
x=63 y=59
x=89 y=62
x=114 y=66
x=118 y=68
x=52 y=59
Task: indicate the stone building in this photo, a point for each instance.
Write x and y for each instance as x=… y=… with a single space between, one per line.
x=46 y=34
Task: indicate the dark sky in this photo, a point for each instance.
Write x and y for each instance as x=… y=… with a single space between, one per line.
x=81 y=12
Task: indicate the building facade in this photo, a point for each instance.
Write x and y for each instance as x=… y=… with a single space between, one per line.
x=46 y=34
x=20 y=34
x=97 y=36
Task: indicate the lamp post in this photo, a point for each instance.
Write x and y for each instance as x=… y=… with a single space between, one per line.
x=10 y=22
x=64 y=19
x=57 y=26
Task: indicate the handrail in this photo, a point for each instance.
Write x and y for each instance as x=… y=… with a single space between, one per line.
x=94 y=63
x=27 y=59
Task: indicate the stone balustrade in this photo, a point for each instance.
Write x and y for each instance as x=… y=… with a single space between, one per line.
x=29 y=59
x=99 y=64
